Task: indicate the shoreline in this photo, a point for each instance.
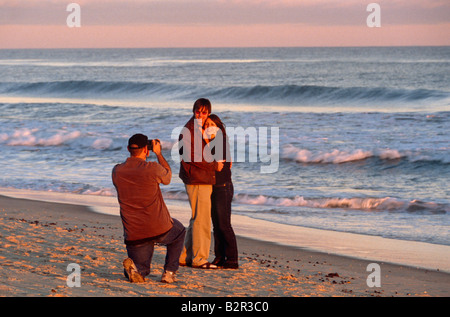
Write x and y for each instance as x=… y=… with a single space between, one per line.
x=40 y=239
x=364 y=247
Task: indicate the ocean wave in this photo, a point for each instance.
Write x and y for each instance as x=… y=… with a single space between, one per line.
x=76 y=88
x=389 y=204
x=27 y=137
x=368 y=204
x=324 y=93
x=35 y=137
x=242 y=94
x=335 y=156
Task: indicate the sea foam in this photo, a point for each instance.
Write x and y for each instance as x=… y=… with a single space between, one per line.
x=27 y=137
x=336 y=156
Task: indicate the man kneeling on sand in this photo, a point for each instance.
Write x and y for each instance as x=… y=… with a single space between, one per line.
x=145 y=217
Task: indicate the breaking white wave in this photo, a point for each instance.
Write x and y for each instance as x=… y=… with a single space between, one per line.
x=368 y=203
x=336 y=156
x=36 y=137
x=27 y=137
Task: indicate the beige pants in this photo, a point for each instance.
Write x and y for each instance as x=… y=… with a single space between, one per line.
x=198 y=235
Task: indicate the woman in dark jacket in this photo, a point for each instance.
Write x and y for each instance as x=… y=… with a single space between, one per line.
x=225 y=246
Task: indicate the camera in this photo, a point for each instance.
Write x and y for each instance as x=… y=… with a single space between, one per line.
x=150 y=144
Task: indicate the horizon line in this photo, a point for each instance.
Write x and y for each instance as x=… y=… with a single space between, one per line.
x=220 y=47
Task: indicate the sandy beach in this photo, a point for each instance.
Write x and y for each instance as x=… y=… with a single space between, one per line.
x=39 y=239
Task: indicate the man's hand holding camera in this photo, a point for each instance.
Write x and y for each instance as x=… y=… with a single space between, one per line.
x=155 y=146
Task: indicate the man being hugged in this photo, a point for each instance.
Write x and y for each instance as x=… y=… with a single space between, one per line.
x=145 y=217
x=197 y=171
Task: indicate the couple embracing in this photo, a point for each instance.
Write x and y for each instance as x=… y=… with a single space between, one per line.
x=205 y=169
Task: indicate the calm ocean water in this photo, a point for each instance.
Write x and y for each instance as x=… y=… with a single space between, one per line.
x=364 y=143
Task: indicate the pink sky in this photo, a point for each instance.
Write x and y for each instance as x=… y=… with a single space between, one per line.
x=222 y=23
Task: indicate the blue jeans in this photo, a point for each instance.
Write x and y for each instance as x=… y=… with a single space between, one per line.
x=225 y=246
x=142 y=254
